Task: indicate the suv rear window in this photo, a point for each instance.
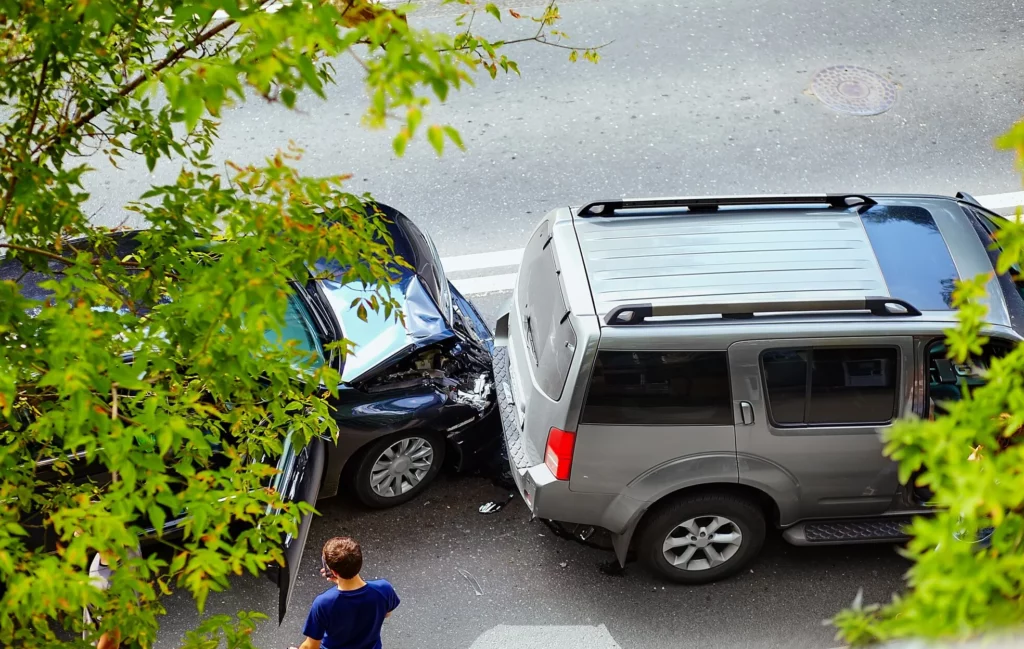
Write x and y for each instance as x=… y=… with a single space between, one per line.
x=659 y=388
x=829 y=386
x=550 y=339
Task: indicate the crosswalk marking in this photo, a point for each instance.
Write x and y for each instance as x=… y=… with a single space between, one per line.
x=546 y=637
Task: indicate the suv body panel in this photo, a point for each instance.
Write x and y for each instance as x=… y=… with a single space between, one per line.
x=836 y=470
x=619 y=471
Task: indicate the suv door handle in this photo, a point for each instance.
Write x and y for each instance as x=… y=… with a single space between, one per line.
x=746 y=413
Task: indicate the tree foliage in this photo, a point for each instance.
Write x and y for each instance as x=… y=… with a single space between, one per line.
x=191 y=424
x=960 y=589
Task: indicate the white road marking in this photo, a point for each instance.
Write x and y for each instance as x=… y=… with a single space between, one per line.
x=506 y=282
x=488 y=284
x=546 y=637
x=1002 y=201
x=482 y=260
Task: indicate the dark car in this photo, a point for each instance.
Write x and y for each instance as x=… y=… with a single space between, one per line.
x=413 y=391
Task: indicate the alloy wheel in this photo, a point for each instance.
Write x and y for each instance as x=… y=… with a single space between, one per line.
x=702 y=542
x=401 y=467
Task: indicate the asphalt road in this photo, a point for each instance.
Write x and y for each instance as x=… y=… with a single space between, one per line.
x=536 y=591
x=692 y=97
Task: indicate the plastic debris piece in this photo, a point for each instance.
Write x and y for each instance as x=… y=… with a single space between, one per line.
x=495 y=506
x=472 y=580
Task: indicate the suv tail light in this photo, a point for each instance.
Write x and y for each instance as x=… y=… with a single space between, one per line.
x=558 y=454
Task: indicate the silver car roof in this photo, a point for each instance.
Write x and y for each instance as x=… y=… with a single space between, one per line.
x=762 y=250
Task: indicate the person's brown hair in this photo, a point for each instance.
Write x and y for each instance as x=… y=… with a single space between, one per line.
x=343 y=555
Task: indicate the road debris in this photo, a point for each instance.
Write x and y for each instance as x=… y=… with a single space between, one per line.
x=472 y=580
x=495 y=506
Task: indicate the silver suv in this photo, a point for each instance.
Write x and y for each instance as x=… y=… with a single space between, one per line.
x=686 y=372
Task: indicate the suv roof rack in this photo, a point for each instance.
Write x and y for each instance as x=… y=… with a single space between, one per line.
x=967 y=198
x=704 y=204
x=634 y=314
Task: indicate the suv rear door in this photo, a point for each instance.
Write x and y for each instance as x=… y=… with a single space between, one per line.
x=809 y=416
x=542 y=352
x=661 y=414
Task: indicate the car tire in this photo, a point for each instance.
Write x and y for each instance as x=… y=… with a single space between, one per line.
x=380 y=482
x=686 y=528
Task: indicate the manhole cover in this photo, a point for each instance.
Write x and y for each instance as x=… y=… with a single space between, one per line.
x=854 y=90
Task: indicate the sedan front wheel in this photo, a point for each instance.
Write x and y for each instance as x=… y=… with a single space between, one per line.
x=395 y=469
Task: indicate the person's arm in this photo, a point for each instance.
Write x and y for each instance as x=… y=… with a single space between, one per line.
x=393 y=601
x=310 y=643
x=112 y=640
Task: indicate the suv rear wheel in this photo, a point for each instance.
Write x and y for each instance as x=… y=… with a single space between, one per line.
x=702 y=538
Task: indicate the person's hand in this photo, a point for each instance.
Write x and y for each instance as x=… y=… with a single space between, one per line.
x=326 y=575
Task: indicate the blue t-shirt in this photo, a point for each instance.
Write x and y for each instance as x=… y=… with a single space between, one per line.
x=351 y=619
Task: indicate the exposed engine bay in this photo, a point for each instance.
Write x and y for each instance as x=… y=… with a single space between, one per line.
x=461 y=370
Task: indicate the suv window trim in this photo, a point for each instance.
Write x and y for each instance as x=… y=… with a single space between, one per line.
x=807 y=390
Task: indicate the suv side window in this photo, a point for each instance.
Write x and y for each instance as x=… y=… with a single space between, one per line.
x=831 y=386
x=659 y=388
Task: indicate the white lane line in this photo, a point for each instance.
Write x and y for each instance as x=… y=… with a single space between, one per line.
x=489 y=284
x=481 y=260
x=1002 y=201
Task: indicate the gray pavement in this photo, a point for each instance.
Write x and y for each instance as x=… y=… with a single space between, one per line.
x=540 y=591
x=692 y=97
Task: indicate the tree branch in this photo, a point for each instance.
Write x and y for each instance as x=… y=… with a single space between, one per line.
x=528 y=39
x=38 y=251
x=169 y=60
x=9 y=196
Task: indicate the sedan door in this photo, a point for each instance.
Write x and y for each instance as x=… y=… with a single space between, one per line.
x=299 y=480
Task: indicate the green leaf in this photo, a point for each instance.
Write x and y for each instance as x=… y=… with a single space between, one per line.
x=157 y=518
x=400 y=142
x=436 y=137
x=492 y=9
x=440 y=88
x=193 y=110
x=454 y=136
x=288 y=97
x=164 y=437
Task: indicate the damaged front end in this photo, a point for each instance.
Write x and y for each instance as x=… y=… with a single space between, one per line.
x=456 y=369
x=458 y=373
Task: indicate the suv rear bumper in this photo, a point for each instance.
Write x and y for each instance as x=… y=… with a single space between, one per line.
x=544 y=495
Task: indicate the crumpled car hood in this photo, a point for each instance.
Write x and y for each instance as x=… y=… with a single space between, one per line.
x=380 y=340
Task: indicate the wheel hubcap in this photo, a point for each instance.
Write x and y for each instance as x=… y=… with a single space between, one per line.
x=401 y=467
x=702 y=542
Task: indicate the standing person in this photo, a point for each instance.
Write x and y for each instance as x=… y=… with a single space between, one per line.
x=101 y=571
x=351 y=614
